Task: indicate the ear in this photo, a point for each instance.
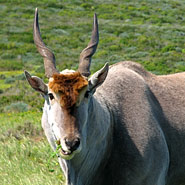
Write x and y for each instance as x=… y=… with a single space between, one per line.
x=98 y=78
x=36 y=83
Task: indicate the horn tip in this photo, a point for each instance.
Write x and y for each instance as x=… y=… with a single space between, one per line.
x=95 y=15
x=95 y=20
x=27 y=74
x=36 y=12
x=25 y=71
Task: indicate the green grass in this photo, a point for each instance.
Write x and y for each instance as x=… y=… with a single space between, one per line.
x=25 y=153
x=149 y=32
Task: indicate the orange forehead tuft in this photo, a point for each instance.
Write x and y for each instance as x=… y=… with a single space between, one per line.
x=68 y=86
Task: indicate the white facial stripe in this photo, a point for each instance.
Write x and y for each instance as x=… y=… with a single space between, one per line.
x=52 y=123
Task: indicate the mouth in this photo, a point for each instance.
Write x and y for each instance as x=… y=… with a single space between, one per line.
x=65 y=152
x=68 y=155
x=60 y=150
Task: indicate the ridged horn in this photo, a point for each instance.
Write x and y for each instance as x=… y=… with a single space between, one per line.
x=48 y=56
x=88 y=52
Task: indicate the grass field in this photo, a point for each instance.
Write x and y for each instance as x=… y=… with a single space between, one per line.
x=25 y=154
x=151 y=32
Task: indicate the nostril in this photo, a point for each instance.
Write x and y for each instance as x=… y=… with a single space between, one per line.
x=72 y=145
x=77 y=143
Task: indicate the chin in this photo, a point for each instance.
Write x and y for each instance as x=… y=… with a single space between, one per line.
x=66 y=156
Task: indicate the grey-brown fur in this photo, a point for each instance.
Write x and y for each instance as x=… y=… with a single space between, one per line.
x=128 y=127
x=135 y=131
x=149 y=125
x=136 y=151
x=169 y=91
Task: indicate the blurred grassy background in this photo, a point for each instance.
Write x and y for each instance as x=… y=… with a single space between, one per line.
x=151 y=32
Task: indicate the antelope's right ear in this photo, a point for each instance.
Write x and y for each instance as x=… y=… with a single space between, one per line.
x=98 y=78
x=36 y=83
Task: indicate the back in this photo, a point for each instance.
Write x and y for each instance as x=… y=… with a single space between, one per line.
x=170 y=92
x=169 y=95
x=139 y=142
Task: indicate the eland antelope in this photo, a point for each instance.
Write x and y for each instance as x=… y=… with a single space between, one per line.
x=121 y=126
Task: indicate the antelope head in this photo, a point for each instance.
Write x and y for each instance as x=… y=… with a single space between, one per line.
x=68 y=93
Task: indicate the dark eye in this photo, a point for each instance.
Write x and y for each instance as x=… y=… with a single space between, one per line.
x=86 y=94
x=51 y=97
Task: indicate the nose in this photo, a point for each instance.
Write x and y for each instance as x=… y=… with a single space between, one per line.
x=72 y=144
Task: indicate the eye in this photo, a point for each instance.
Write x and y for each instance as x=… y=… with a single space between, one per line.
x=86 y=94
x=51 y=97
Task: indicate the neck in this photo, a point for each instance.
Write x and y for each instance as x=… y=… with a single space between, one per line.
x=88 y=164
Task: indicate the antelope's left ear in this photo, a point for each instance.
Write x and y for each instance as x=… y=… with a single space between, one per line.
x=36 y=83
x=98 y=78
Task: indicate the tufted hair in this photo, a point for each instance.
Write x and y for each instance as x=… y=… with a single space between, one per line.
x=68 y=86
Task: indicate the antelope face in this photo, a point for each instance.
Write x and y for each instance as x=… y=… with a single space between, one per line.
x=67 y=111
x=67 y=94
